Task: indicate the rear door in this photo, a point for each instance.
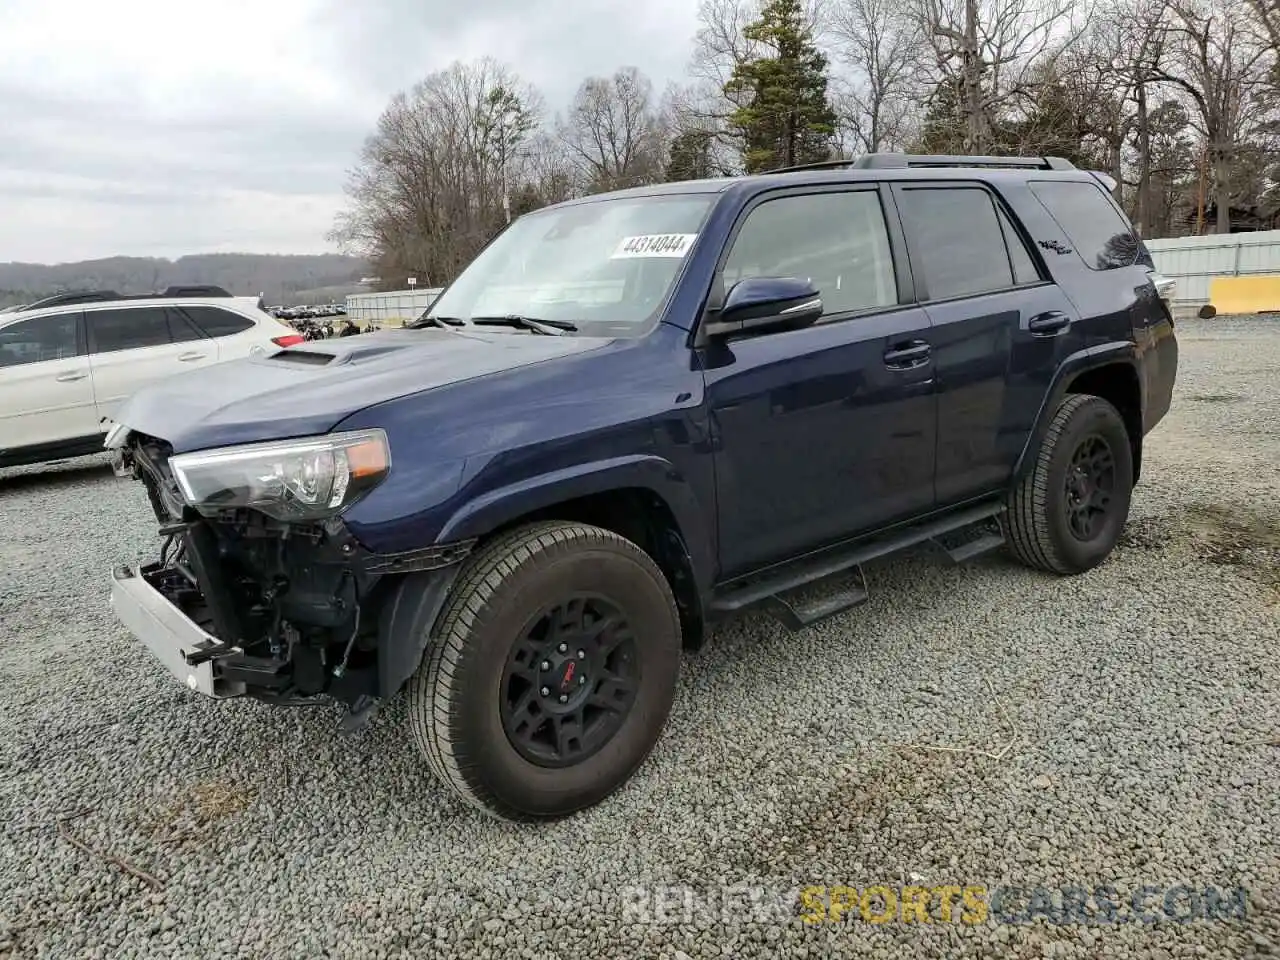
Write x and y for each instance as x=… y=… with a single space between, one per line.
x=999 y=328
x=46 y=394
x=132 y=347
x=233 y=335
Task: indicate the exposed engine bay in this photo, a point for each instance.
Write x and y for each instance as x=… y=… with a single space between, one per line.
x=295 y=606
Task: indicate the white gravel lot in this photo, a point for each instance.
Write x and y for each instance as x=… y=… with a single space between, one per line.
x=1118 y=729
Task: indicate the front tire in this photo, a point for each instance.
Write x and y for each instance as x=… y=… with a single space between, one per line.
x=1067 y=513
x=551 y=674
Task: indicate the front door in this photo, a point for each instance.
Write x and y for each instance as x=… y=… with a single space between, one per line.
x=826 y=431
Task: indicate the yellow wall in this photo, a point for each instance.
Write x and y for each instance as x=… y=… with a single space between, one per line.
x=1255 y=294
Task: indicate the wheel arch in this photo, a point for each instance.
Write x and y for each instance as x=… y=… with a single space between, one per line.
x=1109 y=371
x=642 y=498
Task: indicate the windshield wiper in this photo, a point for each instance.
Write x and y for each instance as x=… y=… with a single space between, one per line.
x=554 y=328
x=425 y=321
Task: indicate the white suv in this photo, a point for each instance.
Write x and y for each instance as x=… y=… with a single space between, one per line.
x=68 y=361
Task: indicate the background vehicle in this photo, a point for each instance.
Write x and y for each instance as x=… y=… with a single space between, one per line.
x=633 y=414
x=68 y=361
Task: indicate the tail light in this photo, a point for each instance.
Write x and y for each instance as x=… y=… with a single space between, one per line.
x=288 y=340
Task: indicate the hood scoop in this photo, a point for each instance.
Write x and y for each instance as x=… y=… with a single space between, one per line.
x=307 y=357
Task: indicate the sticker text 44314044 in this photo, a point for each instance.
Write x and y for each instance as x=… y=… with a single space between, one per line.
x=654 y=245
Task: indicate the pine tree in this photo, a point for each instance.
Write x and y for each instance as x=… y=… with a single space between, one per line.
x=785 y=117
x=690 y=156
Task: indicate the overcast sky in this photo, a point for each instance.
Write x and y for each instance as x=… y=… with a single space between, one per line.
x=159 y=128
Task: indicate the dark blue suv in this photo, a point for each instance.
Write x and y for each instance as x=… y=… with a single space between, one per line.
x=631 y=415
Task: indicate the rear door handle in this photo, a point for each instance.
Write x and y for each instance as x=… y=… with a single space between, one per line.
x=907 y=356
x=1048 y=324
x=193 y=355
x=73 y=375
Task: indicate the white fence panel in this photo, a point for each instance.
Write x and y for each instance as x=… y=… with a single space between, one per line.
x=1195 y=261
x=395 y=306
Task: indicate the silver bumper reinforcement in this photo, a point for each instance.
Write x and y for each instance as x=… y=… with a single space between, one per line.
x=167 y=632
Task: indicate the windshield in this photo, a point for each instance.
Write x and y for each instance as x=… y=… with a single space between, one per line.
x=605 y=267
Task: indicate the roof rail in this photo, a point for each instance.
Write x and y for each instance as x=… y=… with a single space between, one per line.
x=106 y=296
x=78 y=296
x=902 y=161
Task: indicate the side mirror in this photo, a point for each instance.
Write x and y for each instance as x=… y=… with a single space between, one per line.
x=762 y=304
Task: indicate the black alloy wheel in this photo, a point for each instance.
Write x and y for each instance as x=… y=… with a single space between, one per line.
x=1089 y=485
x=570 y=682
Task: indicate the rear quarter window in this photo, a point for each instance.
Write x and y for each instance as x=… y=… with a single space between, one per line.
x=216 y=322
x=1102 y=237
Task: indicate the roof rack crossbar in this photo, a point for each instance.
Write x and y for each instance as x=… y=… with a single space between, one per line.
x=900 y=161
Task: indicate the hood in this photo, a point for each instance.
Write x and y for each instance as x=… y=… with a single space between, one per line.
x=310 y=388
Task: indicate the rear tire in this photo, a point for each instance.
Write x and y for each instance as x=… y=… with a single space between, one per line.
x=1068 y=511
x=517 y=726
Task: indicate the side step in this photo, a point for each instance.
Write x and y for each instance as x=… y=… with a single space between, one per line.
x=804 y=606
x=971 y=541
x=963 y=534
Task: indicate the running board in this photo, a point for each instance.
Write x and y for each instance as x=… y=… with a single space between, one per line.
x=795 y=611
x=771 y=587
x=971 y=541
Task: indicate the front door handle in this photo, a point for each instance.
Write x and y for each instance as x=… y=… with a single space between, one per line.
x=1048 y=324
x=907 y=356
x=73 y=375
x=193 y=355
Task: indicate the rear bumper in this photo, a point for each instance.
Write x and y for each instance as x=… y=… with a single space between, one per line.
x=167 y=632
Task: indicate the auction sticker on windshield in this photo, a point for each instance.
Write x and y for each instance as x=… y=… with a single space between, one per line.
x=654 y=245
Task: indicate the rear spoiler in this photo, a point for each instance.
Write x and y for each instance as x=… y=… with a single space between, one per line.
x=1105 y=179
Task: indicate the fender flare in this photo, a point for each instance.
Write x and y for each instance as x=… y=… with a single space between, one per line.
x=650 y=472
x=1082 y=361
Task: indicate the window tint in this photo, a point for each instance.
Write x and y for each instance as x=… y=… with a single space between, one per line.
x=39 y=339
x=216 y=322
x=111 y=330
x=957 y=241
x=1024 y=266
x=1095 y=228
x=182 y=330
x=837 y=241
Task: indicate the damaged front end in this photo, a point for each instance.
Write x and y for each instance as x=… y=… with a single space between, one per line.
x=260 y=589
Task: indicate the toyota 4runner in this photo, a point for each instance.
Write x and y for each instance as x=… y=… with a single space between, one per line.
x=633 y=414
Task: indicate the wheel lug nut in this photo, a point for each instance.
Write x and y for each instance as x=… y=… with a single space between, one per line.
x=545 y=691
x=564 y=698
x=582 y=654
x=545 y=665
x=563 y=647
x=581 y=681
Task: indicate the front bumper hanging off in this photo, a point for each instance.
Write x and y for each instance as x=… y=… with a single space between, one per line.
x=185 y=649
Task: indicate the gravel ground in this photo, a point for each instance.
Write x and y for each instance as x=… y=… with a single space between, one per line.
x=979 y=725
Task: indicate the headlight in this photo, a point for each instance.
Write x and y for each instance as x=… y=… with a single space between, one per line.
x=307 y=479
x=115 y=436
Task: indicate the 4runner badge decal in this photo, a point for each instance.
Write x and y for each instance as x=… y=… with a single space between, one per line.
x=654 y=245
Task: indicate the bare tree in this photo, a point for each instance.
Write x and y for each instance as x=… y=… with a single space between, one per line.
x=879 y=41
x=1224 y=69
x=613 y=133
x=1141 y=30
x=431 y=186
x=1267 y=16
x=988 y=51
